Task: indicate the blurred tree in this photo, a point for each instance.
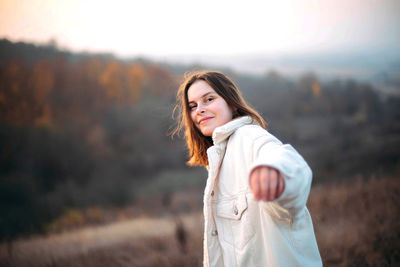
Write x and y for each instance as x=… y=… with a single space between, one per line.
x=42 y=82
x=136 y=77
x=316 y=89
x=122 y=83
x=160 y=82
x=16 y=107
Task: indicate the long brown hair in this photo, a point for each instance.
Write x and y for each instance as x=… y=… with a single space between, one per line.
x=196 y=142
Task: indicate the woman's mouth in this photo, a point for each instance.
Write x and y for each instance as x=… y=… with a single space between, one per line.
x=203 y=120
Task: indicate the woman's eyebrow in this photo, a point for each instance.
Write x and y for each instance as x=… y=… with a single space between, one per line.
x=211 y=92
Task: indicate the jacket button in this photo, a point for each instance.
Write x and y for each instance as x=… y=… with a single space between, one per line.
x=214 y=233
x=212 y=193
x=236 y=211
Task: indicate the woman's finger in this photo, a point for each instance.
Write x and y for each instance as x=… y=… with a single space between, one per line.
x=255 y=183
x=281 y=185
x=278 y=184
x=273 y=182
x=264 y=183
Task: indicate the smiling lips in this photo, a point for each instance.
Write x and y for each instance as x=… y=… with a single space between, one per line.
x=204 y=119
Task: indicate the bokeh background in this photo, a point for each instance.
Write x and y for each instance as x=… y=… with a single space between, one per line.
x=89 y=174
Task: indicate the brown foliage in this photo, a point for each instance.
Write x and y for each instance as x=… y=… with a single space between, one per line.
x=54 y=91
x=122 y=83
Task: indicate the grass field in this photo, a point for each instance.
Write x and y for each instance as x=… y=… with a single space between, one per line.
x=357 y=223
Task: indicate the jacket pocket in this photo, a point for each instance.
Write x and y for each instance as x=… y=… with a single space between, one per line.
x=234 y=221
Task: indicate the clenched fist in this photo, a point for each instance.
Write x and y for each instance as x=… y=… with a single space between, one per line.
x=267 y=183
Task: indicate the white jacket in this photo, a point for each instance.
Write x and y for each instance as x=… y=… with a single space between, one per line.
x=239 y=231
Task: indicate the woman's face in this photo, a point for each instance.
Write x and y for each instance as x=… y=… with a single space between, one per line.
x=208 y=110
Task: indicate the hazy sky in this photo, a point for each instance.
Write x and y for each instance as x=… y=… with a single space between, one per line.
x=219 y=27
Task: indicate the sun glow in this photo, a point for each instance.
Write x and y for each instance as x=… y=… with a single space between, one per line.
x=208 y=27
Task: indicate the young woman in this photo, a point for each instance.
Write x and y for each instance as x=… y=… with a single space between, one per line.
x=255 y=197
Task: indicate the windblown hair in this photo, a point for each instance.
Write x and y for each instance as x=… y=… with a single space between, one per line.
x=196 y=142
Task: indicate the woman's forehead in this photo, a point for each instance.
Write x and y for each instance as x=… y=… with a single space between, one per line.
x=199 y=89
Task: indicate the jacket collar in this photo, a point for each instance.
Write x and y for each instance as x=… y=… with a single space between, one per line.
x=223 y=132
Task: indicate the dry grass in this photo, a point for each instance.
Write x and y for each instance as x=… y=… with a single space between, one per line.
x=138 y=242
x=357 y=223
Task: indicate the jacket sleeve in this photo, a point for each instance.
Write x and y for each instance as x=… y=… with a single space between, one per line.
x=269 y=151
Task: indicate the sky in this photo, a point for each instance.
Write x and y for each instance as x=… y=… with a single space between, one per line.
x=212 y=27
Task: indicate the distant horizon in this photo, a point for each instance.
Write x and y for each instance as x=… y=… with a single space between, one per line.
x=362 y=65
x=386 y=51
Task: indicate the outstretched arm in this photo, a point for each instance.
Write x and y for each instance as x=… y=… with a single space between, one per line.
x=279 y=175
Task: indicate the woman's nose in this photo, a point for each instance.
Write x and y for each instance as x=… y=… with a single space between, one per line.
x=200 y=109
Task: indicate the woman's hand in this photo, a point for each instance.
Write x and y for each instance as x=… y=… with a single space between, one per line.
x=267 y=183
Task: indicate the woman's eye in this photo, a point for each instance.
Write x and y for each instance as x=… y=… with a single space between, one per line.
x=192 y=107
x=210 y=99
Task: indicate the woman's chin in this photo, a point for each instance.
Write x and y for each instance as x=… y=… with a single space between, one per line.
x=207 y=132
